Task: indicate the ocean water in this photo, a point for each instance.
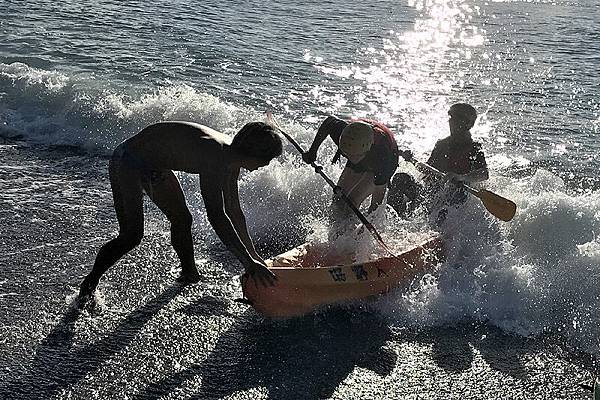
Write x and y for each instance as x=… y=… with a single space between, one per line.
x=513 y=313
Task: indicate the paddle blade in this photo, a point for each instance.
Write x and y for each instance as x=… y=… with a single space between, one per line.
x=500 y=207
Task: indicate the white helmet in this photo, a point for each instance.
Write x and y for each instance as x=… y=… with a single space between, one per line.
x=356 y=138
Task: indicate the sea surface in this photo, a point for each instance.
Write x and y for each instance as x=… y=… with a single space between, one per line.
x=512 y=314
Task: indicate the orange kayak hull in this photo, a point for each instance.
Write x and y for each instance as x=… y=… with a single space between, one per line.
x=303 y=285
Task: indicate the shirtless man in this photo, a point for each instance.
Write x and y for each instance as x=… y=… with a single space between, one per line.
x=145 y=163
x=372 y=155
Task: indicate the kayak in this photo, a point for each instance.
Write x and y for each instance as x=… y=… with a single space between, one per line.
x=312 y=276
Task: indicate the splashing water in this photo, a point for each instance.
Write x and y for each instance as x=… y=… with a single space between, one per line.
x=535 y=274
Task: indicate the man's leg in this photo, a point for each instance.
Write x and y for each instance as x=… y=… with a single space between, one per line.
x=127 y=195
x=165 y=191
x=357 y=186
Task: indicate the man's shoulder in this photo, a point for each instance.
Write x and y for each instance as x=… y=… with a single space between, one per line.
x=195 y=132
x=192 y=126
x=443 y=143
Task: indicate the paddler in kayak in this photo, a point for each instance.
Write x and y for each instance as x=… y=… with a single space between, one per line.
x=458 y=155
x=372 y=158
x=145 y=163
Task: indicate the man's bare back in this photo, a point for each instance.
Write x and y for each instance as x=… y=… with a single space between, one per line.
x=179 y=146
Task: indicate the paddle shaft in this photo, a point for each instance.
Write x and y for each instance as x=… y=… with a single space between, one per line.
x=319 y=170
x=439 y=173
x=497 y=205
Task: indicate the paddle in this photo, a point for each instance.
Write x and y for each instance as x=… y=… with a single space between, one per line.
x=336 y=189
x=497 y=205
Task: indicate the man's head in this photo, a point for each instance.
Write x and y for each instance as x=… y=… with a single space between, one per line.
x=356 y=140
x=257 y=144
x=462 y=118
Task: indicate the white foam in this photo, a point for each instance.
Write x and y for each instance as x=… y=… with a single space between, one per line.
x=29 y=78
x=51 y=108
x=537 y=273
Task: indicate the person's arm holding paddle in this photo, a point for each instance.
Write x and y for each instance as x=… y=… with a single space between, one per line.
x=478 y=175
x=388 y=164
x=377 y=197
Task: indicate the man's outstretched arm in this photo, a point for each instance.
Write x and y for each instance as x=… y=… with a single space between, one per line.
x=479 y=175
x=479 y=170
x=212 y=194
x=236 y=215
x=377 y=197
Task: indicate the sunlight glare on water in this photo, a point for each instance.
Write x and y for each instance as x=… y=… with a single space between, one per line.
x=412 y=73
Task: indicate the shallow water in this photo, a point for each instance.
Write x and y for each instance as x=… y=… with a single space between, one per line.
x=152 y=338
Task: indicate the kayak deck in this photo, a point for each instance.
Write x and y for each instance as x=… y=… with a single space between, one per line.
x=310 y=277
